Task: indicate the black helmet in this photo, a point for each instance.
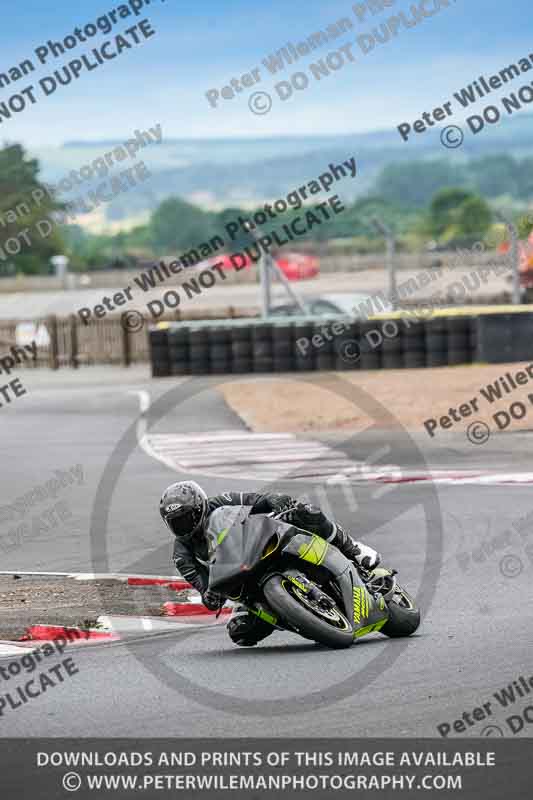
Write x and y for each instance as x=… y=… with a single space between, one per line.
x=183 y=507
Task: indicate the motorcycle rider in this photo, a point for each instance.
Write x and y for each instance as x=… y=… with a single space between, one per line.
x=186 y=508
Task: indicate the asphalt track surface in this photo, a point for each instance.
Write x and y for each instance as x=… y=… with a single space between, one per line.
x=476 y=633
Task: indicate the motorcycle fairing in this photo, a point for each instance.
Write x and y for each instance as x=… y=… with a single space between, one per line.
x=237 y=541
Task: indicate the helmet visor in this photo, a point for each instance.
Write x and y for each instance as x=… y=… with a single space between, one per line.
x=185 y=522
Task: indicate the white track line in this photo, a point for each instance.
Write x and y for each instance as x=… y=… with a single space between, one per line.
x=142 y=439
x=91 y=576
x=250 y=455
x=241 y=454
x=122 y=624
x=9 y=649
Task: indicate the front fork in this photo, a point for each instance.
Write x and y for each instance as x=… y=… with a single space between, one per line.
x=305 y=585
x=368 y=613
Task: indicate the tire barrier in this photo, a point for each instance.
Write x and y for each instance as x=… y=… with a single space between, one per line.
x=262 y=348
x=159 y=353
x=460 y=340
x=505 y=337
x=304 y=361
x=178 y=351
x=241 y=349
x=254 y=346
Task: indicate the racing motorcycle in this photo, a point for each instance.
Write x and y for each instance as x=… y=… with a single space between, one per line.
x=297 y=581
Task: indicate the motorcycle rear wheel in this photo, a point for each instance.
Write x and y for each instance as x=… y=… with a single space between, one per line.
x=309 y=620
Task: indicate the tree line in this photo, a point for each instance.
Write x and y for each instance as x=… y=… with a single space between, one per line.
x=422 y=201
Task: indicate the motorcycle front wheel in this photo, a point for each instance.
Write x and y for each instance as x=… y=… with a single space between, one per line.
x=404 y=616
x=326 y=626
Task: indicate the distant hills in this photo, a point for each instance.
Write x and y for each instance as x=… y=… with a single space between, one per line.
x=216 y=173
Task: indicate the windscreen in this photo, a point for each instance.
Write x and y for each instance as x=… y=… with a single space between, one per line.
x=236 y=542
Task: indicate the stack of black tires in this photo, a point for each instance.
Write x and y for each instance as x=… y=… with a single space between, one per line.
x=414 y=344
x=262 y=348
x=179 y=351
x=240 y=347
x=436 y=342
x=450 y=341
x=304 y=352
x=159 y=353
x=461 y=340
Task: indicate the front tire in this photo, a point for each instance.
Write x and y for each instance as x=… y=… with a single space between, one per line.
x=282 y=597
x=404 y=616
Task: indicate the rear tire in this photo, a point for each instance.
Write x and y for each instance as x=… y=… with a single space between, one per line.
x=302 y=619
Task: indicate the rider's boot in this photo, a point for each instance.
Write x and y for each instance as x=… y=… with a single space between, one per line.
x=247 y=630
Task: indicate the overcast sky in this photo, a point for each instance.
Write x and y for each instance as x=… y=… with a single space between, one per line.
x=202 y=45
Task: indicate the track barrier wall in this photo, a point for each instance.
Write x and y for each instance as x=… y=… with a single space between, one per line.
x=395 y=341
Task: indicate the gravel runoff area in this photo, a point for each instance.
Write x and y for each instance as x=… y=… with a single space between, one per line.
x=410 y=396
x=56 y=600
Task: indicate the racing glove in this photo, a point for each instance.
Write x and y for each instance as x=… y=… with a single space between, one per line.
x=269 y=502
x=212 y=600
x=310 y=518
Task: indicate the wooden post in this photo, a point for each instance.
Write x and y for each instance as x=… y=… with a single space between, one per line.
x=126 y=345
x=52 y=332
x=73 y=328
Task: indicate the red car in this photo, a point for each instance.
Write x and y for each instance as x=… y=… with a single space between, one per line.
x=295 y=266
x=298 y=267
